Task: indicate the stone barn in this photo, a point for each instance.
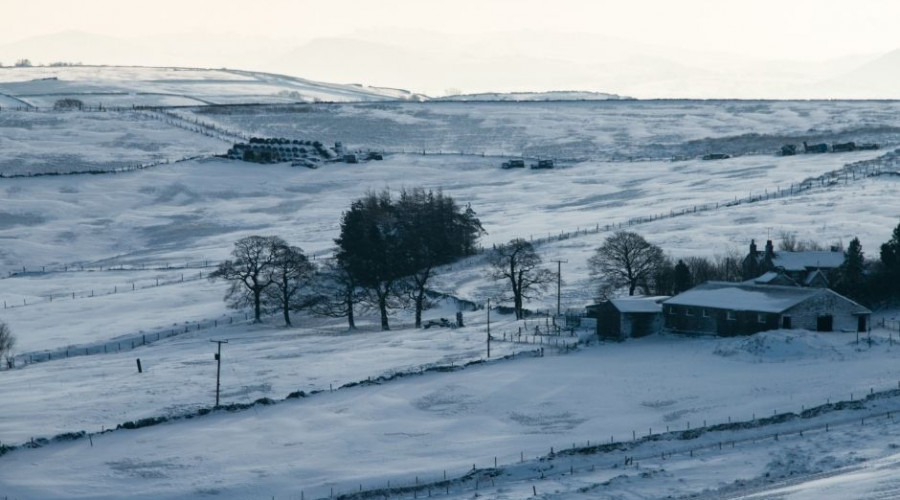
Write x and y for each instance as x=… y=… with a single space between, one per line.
x=727 y=309
x=619 y=319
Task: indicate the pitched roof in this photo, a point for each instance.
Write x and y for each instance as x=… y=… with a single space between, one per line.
x=773 y=278
x=816 y=276
x=800 y=261
x=639 y=304
x=751 y=297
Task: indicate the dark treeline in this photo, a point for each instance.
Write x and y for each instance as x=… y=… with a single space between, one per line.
x=626 y=261
x=391 y=247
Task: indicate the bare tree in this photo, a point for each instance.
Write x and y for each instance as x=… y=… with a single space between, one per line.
x=627 y=259
x=335 y=293
x=7 y=343
x=728 y=265
x=518 y=262
x=290 y=273
x=249 y=272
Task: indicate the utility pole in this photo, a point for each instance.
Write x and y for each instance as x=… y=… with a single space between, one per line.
x=489 y=328
x=218 y=366
x=559 y=264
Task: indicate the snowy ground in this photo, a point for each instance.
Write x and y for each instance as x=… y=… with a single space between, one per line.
x=93 y=248
x=420 y=426
x=606 y=130
x=63 y=142
x=125 y=86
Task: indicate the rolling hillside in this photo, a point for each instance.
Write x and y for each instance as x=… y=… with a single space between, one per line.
x=127 y=86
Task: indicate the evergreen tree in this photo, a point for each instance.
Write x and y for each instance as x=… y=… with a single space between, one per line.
x=852 y=271
x=682 y=277
x=890 y=253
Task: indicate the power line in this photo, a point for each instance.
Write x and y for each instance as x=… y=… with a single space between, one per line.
x=218 y=366
x=559 y=264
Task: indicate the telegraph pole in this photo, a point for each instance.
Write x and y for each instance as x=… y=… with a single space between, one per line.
x=559 y=264
x=489 y=328
x=218 y=366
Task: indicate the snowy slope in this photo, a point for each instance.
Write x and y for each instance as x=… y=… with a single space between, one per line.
x=124 y=86
x=163 y=222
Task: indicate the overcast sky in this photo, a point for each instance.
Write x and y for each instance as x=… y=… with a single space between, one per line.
x=641 y=48
x=763 y=28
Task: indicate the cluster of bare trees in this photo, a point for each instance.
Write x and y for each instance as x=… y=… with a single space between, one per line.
x=266 y=273
x=387 y=252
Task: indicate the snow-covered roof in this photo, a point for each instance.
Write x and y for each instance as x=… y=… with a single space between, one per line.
x=800 y=261
x=816 y=276
x=639 y=304
x=744 y=296
x=773 y=278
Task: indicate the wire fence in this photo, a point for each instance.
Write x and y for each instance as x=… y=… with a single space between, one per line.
x=692 y=443
x=127 y=168
x=125 y=342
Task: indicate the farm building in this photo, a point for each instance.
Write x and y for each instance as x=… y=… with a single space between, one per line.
x=803 y=268
x=629 y=317
x=727 y=309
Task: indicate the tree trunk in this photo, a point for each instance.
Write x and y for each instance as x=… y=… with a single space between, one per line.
x=631 y=288
x=257 y=306
x=420 y=302
x=351 y=322
x=287 y=314
x=382 y=308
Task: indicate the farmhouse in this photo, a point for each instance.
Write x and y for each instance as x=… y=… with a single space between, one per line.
x=803 y=268
x=727 y=309
x=619 y=319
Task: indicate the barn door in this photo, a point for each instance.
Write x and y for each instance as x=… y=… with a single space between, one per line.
x=861 y=324
x=825 y=323
x=786 y=322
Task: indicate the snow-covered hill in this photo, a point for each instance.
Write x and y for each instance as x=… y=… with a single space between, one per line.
x=127 y=86
x=147 y=240
x=556 y=95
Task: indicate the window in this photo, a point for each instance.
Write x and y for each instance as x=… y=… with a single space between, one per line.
x=761 y=318
x=688 y=311
x=730 y=316
x=671 y=310
x=706 y=313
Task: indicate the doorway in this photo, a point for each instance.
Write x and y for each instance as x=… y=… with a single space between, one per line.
x=825 y=323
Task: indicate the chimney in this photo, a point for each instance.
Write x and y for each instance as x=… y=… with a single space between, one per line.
x=752 y=247
x=770 y=255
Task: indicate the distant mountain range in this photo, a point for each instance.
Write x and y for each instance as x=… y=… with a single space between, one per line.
x=498 y=63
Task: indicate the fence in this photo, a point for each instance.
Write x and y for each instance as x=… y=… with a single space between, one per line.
x=131 y=286
x=127 y=168
x=126 y=342
x=622 y=454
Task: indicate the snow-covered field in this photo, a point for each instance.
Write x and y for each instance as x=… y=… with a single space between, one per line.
x=63 y=142
x=98 y=244
x=125 y=86
x=607 y=130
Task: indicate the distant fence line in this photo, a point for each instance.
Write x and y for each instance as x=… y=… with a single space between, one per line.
x=97 y=292
x=126 y=342
x=883 y=165
x=118 y=170
x=193 y=124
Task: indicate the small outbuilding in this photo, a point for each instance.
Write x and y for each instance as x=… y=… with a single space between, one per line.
x=728 y=309
x=632 y=317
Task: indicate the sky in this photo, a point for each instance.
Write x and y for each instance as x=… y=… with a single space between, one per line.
x=760 y=30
